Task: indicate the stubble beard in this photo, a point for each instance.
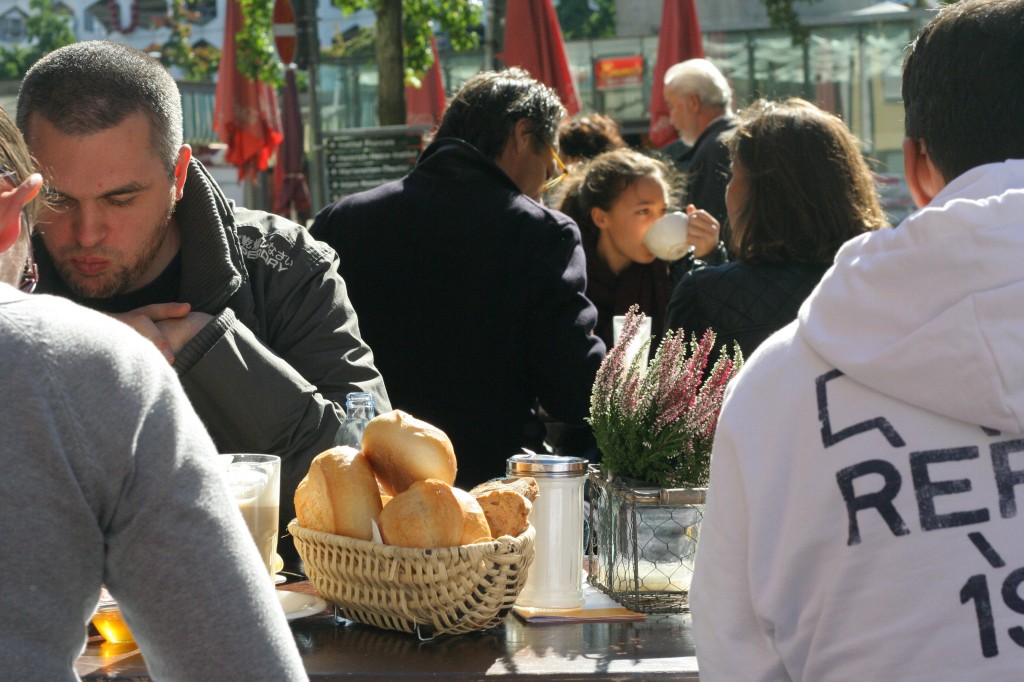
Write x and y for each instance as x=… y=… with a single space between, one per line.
x=124 y=277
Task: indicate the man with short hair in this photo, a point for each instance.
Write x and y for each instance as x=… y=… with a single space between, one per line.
x=700 y=108
x=864 y=514
x=247 y=306
x=470 y=291
x=110 y=478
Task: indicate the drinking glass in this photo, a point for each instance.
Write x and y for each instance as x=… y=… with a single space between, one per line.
x=255 y=481
x=108 y=621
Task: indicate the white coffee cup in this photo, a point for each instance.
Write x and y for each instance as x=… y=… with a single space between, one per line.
x=666 y=237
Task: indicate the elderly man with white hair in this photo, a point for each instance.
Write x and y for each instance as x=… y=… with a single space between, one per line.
x=700 y=108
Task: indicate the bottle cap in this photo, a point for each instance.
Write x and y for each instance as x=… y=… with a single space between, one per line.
x=546 y=466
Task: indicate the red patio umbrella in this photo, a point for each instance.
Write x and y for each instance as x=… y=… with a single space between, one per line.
x=678 y=40
x=291 y=192
x=533 y=41
x=425 y=105
x=245 y=112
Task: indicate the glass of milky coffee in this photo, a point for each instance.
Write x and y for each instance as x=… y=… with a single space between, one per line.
x=255 y=481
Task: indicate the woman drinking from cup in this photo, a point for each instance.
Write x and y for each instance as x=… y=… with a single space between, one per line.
x=615 y=199
x=800 y=188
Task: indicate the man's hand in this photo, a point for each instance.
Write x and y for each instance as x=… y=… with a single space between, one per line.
x=168 y=325
x=702 y=232
x=179 y=331
x=13 y=199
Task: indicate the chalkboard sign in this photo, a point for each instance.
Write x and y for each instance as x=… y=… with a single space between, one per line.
x=363 y=158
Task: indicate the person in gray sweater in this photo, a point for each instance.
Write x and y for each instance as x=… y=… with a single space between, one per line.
x=109 y=478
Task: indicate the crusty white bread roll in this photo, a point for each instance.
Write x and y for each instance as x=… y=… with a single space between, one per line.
x=339 y=494
x=402 y=450
x=474 y=523
x=524 y=485
x=426 y=515
x=507 y=511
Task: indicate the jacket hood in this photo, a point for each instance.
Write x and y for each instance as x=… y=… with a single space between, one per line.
x=932 y=312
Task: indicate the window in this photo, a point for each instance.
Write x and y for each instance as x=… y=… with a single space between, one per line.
x=12 y=26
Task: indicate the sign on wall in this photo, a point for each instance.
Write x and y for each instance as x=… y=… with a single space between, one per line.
x=363 y=158
x=619 y=72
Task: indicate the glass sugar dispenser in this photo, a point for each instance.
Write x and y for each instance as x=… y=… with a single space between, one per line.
x=555 y=580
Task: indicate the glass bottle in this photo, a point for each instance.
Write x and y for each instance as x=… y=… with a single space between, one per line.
x=359 y=410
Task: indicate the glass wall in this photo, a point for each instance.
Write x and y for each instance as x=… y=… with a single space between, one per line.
x=852 y=70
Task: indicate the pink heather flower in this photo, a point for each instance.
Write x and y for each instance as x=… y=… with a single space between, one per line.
x=661 y=415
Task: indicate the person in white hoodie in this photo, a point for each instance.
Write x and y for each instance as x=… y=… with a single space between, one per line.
x=863 y=515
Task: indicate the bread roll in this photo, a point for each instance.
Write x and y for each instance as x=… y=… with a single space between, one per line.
x=339 y=494
x=474 y=523
x=402 y=450
x=507 y=511
x=524 y=485
x=426 y=515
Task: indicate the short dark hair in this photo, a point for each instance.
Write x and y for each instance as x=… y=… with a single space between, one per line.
x=963 y=85
x=487 y=107
x=92 y=86
x=809 y=188
x=586 y=136
x=601 y=181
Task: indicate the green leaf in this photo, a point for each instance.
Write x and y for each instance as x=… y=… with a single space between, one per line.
x=255 y=53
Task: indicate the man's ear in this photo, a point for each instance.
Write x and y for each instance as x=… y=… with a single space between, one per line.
x=693 y=102
x=523 y=135
x=923 y=179
x=181 y=170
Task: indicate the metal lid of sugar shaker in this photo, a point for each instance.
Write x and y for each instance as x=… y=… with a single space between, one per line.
x=546 y=466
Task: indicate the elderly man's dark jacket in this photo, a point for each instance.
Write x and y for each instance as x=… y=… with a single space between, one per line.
x=472 y=297
x=707 y=167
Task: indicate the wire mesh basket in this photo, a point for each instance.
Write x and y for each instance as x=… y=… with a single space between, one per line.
x=642 y=541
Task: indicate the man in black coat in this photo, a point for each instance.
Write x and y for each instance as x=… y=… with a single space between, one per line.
x=700 y=108
x=470 y=291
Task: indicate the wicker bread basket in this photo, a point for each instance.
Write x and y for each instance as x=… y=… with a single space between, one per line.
x=449 y=590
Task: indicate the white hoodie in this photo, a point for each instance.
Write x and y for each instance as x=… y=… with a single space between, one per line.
x=862 y=521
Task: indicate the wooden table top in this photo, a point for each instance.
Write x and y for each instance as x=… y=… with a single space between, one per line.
x=657 y=648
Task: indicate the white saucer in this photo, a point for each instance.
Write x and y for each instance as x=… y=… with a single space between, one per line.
x=298 y=605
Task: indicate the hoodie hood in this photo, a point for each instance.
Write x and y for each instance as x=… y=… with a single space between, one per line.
x=932 y=312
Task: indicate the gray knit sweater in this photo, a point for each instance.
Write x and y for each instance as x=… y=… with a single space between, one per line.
x=108 y=477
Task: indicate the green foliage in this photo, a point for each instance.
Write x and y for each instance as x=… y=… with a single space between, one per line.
x=47 y=30
x=457 y=18
x=199 y=63
x=255 y=53
x=782 y=15
x=655 y=422
x=361 y=45
x=579 y=21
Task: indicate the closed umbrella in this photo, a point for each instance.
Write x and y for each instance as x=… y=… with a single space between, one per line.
x=533 y=41
x=291 y=192
x=245 y=112
x=678 y=40
x=425 y=105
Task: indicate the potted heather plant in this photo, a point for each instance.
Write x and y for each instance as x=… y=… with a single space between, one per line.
x=654 y=422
